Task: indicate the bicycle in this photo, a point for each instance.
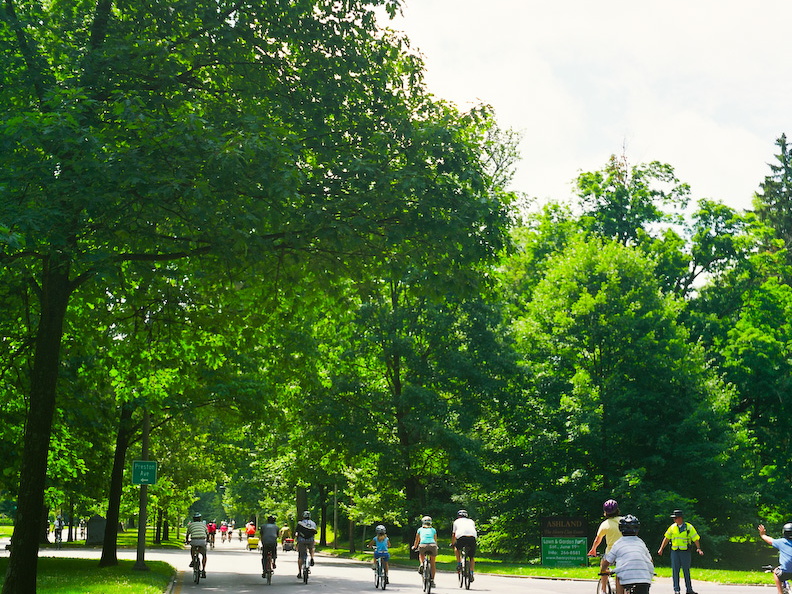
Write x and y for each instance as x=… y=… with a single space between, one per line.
x=58 y=538
x=463 y=573
x=196 y=564
x=426 y=573
x=380 y=577
x=610 y=586
x=777 y=571
x=211 y=542
x=306 y=570
x=267 y=573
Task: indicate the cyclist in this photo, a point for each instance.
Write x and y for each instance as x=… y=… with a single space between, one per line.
x=284 y=533
x=381 y=542
x=211 y=528
x=196 y=537
x=426 y=544
x=633 y=561
x=57 y=528
x=463 y=535
x=269 y=543
x=608 y=529
x=306 y=530
x=784 y=545
x=223 y=531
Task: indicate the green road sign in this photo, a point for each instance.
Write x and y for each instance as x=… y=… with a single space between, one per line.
x=144 y=472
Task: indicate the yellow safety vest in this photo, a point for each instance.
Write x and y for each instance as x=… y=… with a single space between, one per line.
x=681 y=540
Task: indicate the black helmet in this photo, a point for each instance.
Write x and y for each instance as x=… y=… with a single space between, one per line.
x=270 y=519
x=787 y=530
x=629 y=525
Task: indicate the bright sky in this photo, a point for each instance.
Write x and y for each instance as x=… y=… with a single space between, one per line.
x=704 y=85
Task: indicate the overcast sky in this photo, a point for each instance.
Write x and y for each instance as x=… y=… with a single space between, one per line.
x=705 y=85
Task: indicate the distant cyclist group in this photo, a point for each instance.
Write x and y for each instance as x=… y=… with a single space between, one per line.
x=199 y=534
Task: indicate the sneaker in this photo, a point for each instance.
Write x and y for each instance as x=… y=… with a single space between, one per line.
x=264 y=574
x=299 y=576
x=420 y=569
x=691 y=592
x=471 y=576
x=433 y=584
x=373 y=568
x=273 y=565
x=192 y=564
x=203 y=574
x=312 y=564
x=387 y=581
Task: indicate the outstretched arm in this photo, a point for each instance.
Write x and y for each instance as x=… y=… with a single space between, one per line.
x=763 y=534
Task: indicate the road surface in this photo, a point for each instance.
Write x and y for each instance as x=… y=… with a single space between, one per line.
x=231 y=568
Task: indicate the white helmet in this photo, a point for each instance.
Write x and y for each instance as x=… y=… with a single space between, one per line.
x=426 y=520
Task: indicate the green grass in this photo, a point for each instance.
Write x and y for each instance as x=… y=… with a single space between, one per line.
x=6 y=531
x=447 y=562
x=125 y=540
x=84 y=576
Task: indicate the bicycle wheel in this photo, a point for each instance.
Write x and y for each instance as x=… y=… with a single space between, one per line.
x=427 y=575
x=466 y=573
x=306 y=571
x=196 y=568
x=607 y=590
x=461 y=573
x=383 y=575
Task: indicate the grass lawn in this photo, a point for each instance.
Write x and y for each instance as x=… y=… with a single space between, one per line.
x=84 y=576
x=447 y=562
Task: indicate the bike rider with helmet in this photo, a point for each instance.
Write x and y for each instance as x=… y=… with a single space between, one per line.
x=463 y=535
x=196 y=536
x=784 y=545
x=381 y=543
x=609 y=530
x=426 y=544
x=633 y=561
x=305 y=531
x=269 y=543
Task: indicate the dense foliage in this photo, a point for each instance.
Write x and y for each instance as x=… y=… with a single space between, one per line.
x=253 y=223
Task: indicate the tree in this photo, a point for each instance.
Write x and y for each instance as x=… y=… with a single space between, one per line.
x=773 y=202
x=253 y=136
x=615 y=383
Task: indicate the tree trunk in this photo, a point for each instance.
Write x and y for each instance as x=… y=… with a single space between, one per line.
x=165 y=529
x=23 y=564
x=110 y=542
x=158 y=532
x=323 y=515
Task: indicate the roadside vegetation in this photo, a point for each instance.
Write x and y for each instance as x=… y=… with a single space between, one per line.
x=83 y=576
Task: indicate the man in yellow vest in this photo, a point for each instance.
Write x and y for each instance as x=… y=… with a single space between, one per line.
x=683 y=538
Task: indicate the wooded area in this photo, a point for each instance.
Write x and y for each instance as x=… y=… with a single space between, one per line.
x=253 y=222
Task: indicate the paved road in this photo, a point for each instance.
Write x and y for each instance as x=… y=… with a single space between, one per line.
x=231 y=568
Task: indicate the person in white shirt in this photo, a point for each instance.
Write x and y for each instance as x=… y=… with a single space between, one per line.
x=305 y=531
x=463 y=535
x=633 y=561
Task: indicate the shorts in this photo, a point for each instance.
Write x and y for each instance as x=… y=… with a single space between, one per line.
x=200 y=544
x=382 y=555
x=272 y=548
x=305 y=544
x=428 y=549
x=468 y=543
x=782 y=575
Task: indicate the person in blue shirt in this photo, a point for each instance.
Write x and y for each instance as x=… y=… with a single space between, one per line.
x=381 y=542
x=784 y=545
x=426 y=544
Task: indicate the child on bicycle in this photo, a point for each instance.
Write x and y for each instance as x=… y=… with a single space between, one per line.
x=426 y=544
x=784 y=545
x=380 y=543
x=633 y=561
